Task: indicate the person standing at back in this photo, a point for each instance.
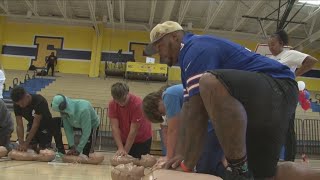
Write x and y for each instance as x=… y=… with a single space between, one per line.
x=293 y=59
x=131 y=130
x=2 y=80
x=51 y=61
x=298 y=62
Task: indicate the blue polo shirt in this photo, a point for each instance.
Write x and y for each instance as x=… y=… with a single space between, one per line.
x=172 y=99
x=201 y=53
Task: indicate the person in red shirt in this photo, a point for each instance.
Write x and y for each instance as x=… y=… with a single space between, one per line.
x=130 y=129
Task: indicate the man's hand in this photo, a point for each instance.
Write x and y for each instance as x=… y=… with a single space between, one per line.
x=73 y=151
x=23 y=146
x=174 y=162
x=117 y=137
x=121 y=152
x=134 y=128
x=179 y=169
x=160 y=163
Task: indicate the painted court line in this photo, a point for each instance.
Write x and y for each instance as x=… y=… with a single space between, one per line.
x=18 y=165
x=4 y=160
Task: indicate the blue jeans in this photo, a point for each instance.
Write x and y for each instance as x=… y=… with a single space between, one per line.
x=212 y=154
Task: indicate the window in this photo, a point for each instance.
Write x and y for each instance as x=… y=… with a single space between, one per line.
x=311 y=2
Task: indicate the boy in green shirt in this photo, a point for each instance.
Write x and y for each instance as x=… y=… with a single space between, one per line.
x=77 y=113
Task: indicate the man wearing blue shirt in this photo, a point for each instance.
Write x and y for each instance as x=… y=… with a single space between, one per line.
x=248 y=97
x=168 y=102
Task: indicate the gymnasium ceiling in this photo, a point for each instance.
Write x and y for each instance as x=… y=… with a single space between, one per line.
x=219 y=17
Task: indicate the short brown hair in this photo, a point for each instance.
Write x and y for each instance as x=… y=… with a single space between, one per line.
x=119 y=90
x=163 y=88
x=150 y=105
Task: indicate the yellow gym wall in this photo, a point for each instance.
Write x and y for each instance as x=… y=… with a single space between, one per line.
x=81 y=39
x=120 y=39
x=22 y=34
x=114 y=40
x=317 y=56
x=312 y=84
x=2 y=22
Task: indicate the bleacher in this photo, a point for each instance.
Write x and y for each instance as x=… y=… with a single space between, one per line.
x=300 y=113
x=27 y=80
x=97 y=91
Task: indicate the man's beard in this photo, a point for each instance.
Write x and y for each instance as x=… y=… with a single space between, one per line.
x=166 y=61
x=169 y=60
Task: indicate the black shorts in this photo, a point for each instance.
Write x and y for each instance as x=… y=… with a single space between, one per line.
x=269 y=104
x=89 y=147
x=139 y=149
x=43 y=138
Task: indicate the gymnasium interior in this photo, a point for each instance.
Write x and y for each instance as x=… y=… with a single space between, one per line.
x=101 y=42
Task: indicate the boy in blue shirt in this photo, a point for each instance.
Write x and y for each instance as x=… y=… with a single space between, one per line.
x=168 y=102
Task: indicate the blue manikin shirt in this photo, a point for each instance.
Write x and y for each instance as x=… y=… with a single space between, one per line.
x=173 y=100
x=201 y=53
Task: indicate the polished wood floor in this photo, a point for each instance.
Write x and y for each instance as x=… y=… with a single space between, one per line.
x=24 y=170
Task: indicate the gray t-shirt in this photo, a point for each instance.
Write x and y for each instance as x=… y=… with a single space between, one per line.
x=6 y=123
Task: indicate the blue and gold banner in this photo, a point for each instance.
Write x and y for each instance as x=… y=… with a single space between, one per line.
x=43 y=46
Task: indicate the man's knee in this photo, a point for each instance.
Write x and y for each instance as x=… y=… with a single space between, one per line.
x=207 y=81
x=210 y=83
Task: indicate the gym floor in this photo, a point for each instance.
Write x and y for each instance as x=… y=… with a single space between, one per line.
x=31 y=170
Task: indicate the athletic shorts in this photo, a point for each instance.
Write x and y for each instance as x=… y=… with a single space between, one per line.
x=139 y=149
x=43 y=138
x=269 y=103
